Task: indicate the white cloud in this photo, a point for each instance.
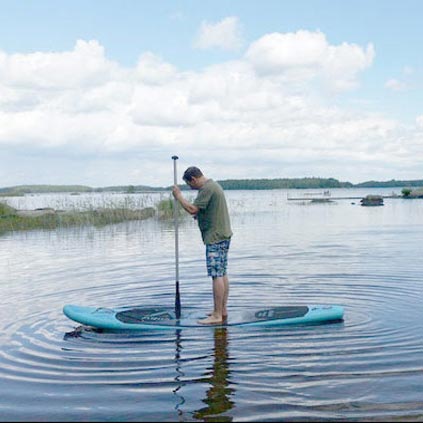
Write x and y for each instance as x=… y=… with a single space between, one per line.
x=85 y=65
x=243 y=118
x=306 y=55
x=225 y=34
x=277 y=52
x=151 y=69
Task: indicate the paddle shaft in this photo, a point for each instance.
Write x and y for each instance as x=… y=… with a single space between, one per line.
x=175 y=219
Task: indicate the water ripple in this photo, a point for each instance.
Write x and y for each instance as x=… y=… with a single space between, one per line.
x=368 y=367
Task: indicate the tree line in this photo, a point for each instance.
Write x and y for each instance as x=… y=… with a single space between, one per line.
x=228 y=184
x=283 y=183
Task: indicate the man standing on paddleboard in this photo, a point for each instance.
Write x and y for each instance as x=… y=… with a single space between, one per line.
x=211 y=211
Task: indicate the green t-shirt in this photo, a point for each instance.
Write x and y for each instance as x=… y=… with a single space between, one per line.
x=213 y=217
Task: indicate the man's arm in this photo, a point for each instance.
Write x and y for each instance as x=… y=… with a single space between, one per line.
x=187 y=206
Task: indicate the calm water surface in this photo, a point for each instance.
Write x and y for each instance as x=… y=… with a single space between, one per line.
x=368 y=367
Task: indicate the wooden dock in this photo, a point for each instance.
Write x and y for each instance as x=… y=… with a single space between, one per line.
x=325 y=199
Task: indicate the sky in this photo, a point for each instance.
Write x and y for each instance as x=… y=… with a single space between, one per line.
x=105 y=92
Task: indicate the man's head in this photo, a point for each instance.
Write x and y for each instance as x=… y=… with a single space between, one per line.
x=194 y=177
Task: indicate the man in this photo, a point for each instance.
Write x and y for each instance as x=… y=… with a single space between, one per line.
x=211 y=211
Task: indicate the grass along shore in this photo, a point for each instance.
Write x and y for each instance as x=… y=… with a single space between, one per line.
x=12 y=219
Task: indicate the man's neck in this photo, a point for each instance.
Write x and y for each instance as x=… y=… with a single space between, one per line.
x=202 y=181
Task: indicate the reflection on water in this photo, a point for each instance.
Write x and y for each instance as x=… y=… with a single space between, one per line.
x=218 y=399
x=179 y=376
x=368 y=368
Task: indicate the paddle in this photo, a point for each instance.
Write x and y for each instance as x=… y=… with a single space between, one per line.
x=175 y=218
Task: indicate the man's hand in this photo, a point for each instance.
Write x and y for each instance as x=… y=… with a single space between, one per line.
x=176 y=191
x=186 y=205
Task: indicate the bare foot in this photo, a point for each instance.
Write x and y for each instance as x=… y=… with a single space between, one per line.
x=211 y=320
x=224 y=315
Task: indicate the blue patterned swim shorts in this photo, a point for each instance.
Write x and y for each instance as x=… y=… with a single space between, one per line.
x=217 y=258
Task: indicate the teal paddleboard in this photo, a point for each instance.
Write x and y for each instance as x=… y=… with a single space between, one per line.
x=140 y=318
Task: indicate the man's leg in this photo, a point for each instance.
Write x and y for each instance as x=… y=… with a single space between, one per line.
x=217 y=259
x=225 y=278
x=225 y=296
x=219 y=300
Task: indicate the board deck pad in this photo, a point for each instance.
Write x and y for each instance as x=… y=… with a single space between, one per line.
x=138 y=318
x=140 y=315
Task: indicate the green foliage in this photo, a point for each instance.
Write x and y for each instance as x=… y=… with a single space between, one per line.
x=6 y=210
x=389 y=184
x=406 y=192
x=283 y=183
x=52 y=220
x=165 y=208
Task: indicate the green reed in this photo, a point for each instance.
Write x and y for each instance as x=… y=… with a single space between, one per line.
x=14 y=220
x=92 y=210
x=165 y=209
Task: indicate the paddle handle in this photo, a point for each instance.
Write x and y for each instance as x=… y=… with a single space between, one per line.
x=175 y=219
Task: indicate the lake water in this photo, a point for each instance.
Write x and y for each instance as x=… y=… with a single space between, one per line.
x=368 y=367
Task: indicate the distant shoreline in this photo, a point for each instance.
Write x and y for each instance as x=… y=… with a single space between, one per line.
x=228 y=184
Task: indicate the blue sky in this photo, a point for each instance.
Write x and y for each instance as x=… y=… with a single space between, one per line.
x=104 y=92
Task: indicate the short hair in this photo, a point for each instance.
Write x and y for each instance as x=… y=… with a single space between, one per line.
x=191 y=172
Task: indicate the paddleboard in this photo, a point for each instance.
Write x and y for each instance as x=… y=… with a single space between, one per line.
x=141 y=318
